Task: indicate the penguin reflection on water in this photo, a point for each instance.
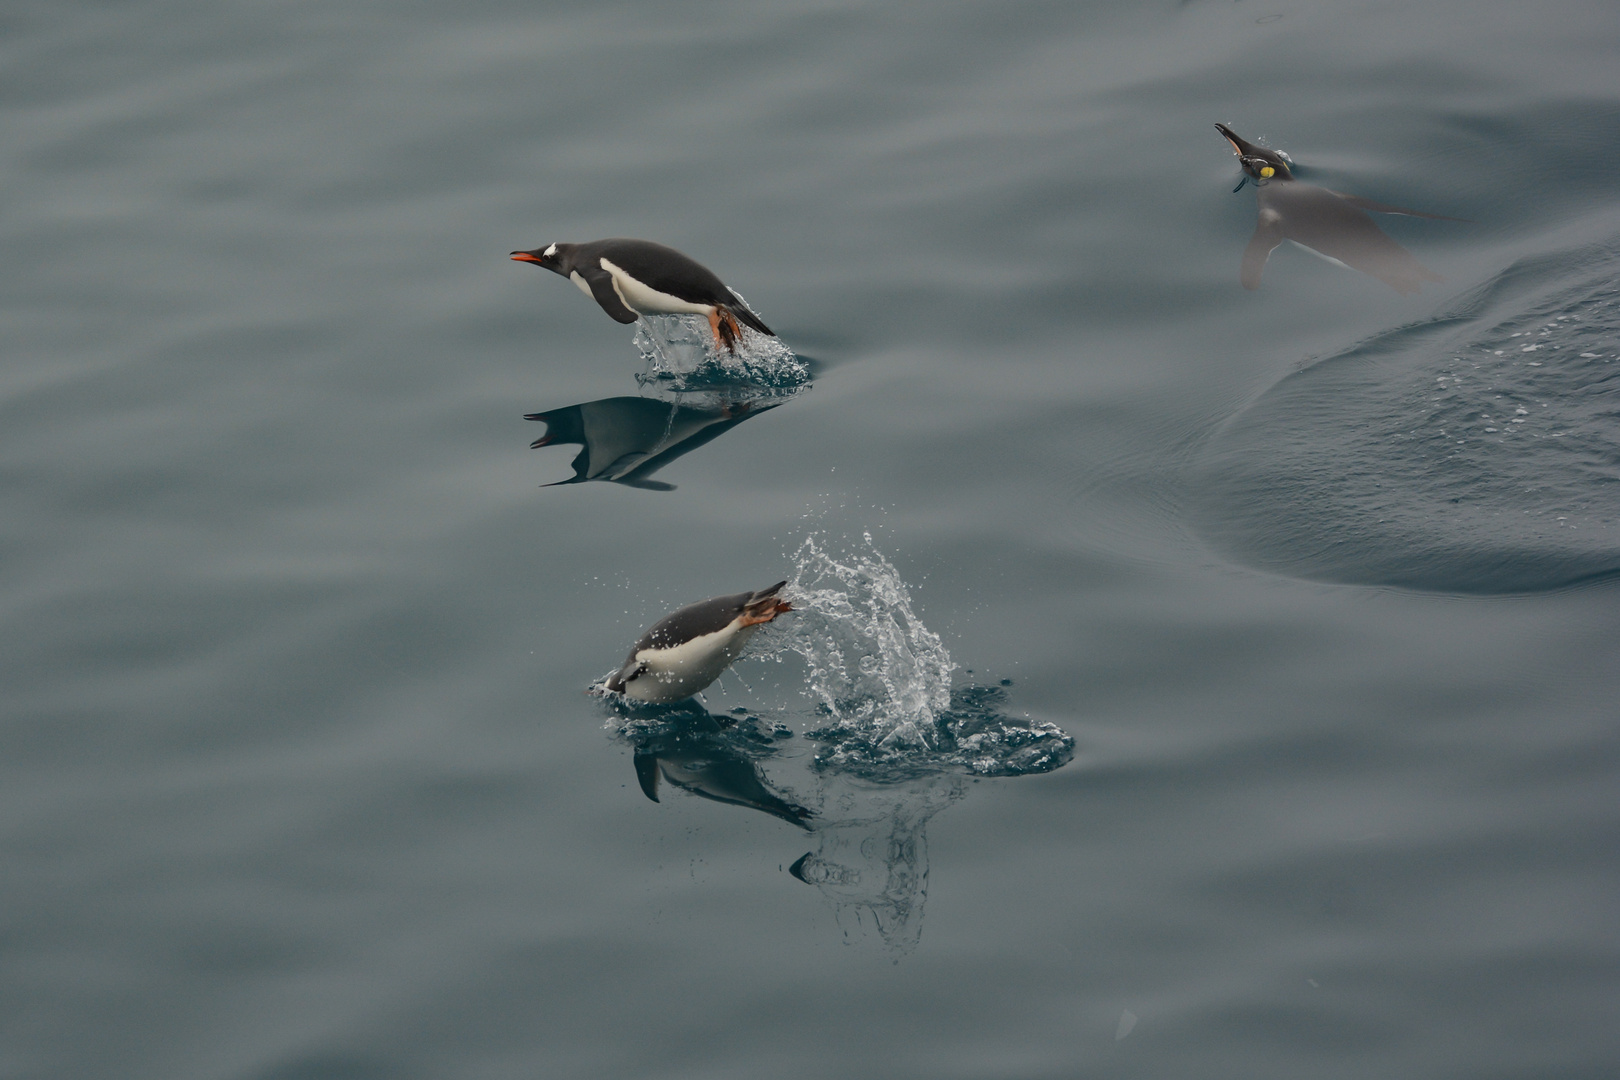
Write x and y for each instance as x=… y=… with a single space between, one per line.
x=631 y=278
x=697 y=755
x=687 y=650
x=625 y=440
x=1328 y=222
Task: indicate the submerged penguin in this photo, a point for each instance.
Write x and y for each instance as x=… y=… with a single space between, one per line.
x=687 y=650
x=1330 y=223
x=631 y=278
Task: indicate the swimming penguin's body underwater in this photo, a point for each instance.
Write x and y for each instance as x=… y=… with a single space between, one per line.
x=1330 y=223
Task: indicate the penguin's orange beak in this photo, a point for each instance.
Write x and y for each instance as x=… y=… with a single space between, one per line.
x=523 y=256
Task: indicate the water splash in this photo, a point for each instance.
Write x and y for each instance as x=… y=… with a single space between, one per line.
x=873 y=665
x=883 y=680
x=680 y=355
x=896 y=743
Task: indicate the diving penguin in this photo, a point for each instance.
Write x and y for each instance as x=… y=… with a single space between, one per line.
x=687 y=650
x=631 y=278
x=1328 y=222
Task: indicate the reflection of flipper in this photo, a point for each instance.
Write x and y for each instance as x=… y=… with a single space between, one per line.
x=1267 y=235
x=647 y=774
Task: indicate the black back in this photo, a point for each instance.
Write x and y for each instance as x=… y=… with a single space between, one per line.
x=662 y=268
x=654 y=265
x=695 y=620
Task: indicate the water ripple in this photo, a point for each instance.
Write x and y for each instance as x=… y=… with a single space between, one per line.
x=1476 y=452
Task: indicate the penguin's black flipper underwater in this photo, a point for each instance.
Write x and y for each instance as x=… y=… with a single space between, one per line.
x=1267 y=235
x=1330 y=223
x=1383 y=208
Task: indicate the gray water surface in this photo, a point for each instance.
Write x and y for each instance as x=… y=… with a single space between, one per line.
x=298 y=774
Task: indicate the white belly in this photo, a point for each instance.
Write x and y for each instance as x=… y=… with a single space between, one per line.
x=677 y=673
x=638 y=297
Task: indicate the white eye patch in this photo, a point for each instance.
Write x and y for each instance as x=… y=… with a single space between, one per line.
x=549 y=252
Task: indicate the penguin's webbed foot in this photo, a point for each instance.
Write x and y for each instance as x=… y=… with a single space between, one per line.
x=726 y=330
x=763 y=611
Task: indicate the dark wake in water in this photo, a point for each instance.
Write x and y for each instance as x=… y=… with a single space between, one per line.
x=1476 y=452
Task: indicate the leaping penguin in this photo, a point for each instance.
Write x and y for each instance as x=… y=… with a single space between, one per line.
x=1330 y=223
x=687 y=650
x=631 y=278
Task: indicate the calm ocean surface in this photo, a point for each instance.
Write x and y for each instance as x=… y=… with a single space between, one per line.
x=1189 y=682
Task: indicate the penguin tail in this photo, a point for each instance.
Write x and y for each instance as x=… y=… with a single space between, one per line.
x=740 y=311
x=727 y=321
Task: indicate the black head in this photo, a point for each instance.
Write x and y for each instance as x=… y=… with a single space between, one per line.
x=1257 y=161
x=553 y=257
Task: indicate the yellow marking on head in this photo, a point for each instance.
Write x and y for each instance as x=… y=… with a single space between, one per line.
x=1268 y=172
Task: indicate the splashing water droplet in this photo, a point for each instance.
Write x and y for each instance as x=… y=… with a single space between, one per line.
x=883 y=679
x=871 y=660
x=680 y=354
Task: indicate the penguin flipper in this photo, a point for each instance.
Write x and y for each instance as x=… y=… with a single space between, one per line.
x=1267 y=235
x=747 y=317
x=1384 y=208
x=601 y=283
